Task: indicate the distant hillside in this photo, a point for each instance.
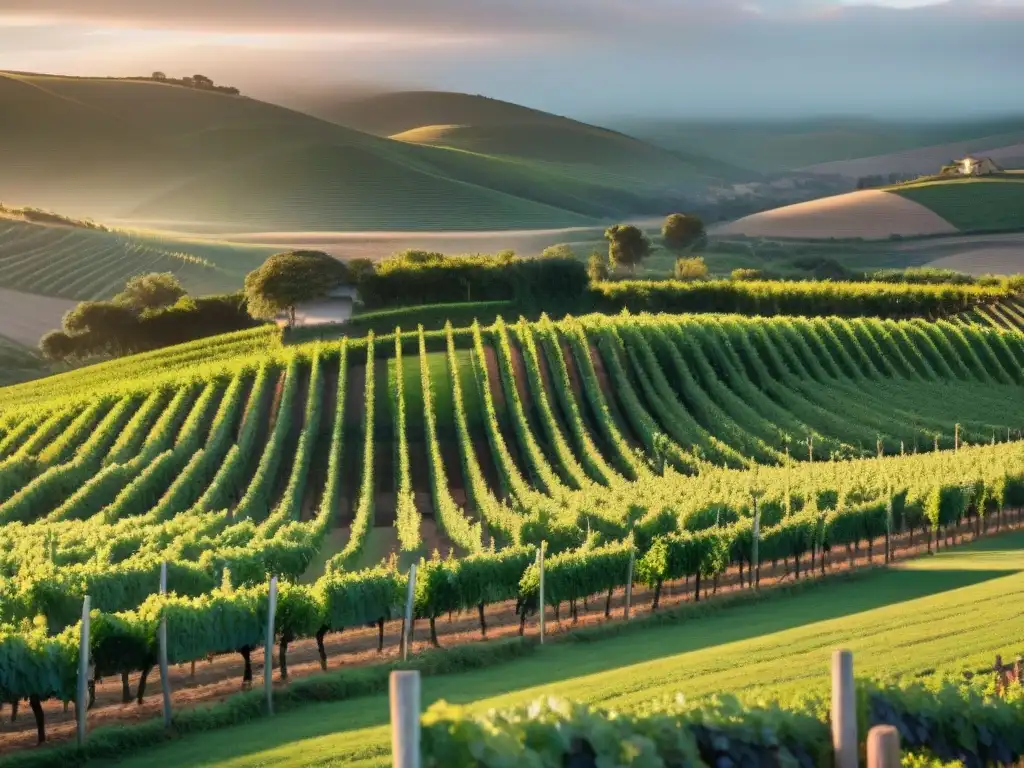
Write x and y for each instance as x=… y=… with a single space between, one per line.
x=493 y=127
x=195 y=160
x=776 y=146
x=938 y=207
x=389 y=113
x=1006 y=149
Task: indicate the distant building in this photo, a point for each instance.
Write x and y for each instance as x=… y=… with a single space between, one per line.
x=977 y=166
x=335 y=307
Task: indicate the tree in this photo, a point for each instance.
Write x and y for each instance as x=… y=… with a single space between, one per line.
x=102 y=318
x=681 y=232
x=152 y=291
x=202 y=81
x=288 y=279
x=692 y=268
x=627 y=246
x=159 y=76
x=560 y=251
x=597 y=267
x=57 y=345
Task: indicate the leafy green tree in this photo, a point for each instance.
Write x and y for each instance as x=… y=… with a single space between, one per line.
x=152 y=291
x=597 y=267
x=627 y=246
x=692 y=268
x=681 y=232
x=287 y=279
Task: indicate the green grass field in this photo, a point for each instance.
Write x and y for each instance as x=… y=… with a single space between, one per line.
x=950 y=612
x=972 y=205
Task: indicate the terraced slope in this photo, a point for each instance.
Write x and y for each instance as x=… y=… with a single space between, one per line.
x=76 y=263
x=173 y=157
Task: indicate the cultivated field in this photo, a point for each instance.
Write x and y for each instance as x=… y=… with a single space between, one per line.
x=868 y=214
x=778 y=648
x=77 y=264
x=610 y=438
x=972 y=205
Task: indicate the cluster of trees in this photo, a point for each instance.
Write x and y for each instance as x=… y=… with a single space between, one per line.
x=628 y=246
x=200 y=82
x=152 y=311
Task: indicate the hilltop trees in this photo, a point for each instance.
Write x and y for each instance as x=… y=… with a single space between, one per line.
x=291 y=278
x=152 y=291
x=681 y=232
x=627 y=246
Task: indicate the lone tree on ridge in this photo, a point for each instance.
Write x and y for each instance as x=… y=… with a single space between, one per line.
x=288 y=279
x=627 y=246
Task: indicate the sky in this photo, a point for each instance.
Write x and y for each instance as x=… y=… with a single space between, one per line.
x=905 y=59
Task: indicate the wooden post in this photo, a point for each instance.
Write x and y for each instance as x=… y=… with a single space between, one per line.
x=755 y=561
x=883 y=747
x=82 y=700
x=888 y=528
x=844 y=710
x=407 y=630
x=540 y=561
x=165 y=681
x=268 y=651
x=629 y=583
x=956 y=438
x=404 y=697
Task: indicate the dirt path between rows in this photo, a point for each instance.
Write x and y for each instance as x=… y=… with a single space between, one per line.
x=216 y=680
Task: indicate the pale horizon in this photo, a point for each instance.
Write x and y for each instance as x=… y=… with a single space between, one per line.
x=707 y=59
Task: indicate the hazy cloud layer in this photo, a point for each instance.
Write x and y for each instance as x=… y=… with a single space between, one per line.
x=581 y=57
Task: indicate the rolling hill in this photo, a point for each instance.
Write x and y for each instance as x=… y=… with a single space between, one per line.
x=936 y=207
x=165 y=156
x=493 y=127
x=1007 y=150
x=825 y=145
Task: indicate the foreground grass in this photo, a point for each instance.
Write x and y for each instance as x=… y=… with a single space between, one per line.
x=946 y=613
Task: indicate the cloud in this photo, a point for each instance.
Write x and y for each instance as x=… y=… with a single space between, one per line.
x=580 y=57
x=573 y=17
